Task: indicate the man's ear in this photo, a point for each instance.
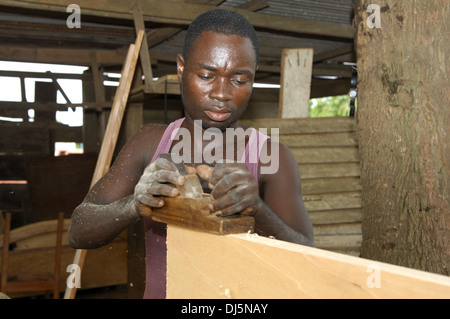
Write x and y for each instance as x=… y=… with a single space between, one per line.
x=180 y=67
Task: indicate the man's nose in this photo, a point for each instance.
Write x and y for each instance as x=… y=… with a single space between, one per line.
x=221 y=90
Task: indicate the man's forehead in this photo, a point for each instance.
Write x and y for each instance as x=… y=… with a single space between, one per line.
x=216 y=44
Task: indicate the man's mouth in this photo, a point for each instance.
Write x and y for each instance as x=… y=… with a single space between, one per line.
x=218 y=116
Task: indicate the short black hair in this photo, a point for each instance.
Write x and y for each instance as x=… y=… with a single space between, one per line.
x=220 y=21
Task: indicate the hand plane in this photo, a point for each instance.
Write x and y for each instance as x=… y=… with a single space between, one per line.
x=190 y=209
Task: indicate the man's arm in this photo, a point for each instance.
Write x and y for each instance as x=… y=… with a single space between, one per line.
x=282 y=213
x=94 y=225
x=118 y=199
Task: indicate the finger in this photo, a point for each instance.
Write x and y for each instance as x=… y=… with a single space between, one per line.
x=204 y=171
x=222 y=169
x=191 y=170
x=231 y=181
x=162 y=163
x=217 y=173
x=162 y=176
x=155 y=188
x=162 y=190
x=149 y=200
x=233 y=202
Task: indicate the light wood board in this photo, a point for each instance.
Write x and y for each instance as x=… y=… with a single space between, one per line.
x=202 y=265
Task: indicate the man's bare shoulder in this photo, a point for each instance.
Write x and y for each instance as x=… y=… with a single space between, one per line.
x=144 y=142
x=150 y=132
x=153 y=128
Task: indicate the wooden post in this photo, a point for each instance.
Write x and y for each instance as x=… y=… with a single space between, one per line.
x=97 y=74
x=112 y=132
x=296 y=71
x=144 y=54
x=202 y=265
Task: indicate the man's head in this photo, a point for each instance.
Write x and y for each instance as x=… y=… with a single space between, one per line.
x=223 y=22
x=217 y=70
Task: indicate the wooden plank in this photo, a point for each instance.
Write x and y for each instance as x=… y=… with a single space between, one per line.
x=325 y=155
x=318 y=170
x=58 y=55
x=322 y=202
x=343 y=71
x=336 y=216
x=32 y=230
x=117 y=110
x=97 y=75
x=333 y=242
x=319 y=139
x=250 y=266
x=304 y=125
x=296 y=69
x=144 y=54
x=330 y=185
x=195 y=214
x=338 y=229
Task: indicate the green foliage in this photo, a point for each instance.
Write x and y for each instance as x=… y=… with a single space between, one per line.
x=330 y=106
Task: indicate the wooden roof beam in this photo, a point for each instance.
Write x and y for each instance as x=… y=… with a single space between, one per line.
x=60 y=56
x=159 y=35
x=179 y=13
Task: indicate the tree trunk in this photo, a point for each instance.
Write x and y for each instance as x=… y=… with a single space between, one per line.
x=403 y=125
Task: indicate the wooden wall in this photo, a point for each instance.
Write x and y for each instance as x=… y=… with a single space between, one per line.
x=326 y=151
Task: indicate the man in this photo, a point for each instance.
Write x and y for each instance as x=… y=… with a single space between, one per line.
x=216 y=71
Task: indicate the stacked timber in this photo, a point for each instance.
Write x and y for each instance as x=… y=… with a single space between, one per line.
x=326 y=150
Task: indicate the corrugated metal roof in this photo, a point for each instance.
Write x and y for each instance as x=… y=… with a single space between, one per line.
x=331 y=11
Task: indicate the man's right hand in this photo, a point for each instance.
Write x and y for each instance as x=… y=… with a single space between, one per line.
x=160 y=178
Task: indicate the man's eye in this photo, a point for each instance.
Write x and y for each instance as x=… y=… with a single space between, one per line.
x=204 y=77
x=240 y=82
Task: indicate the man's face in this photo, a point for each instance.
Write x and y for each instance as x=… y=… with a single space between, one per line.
x=217 y=79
